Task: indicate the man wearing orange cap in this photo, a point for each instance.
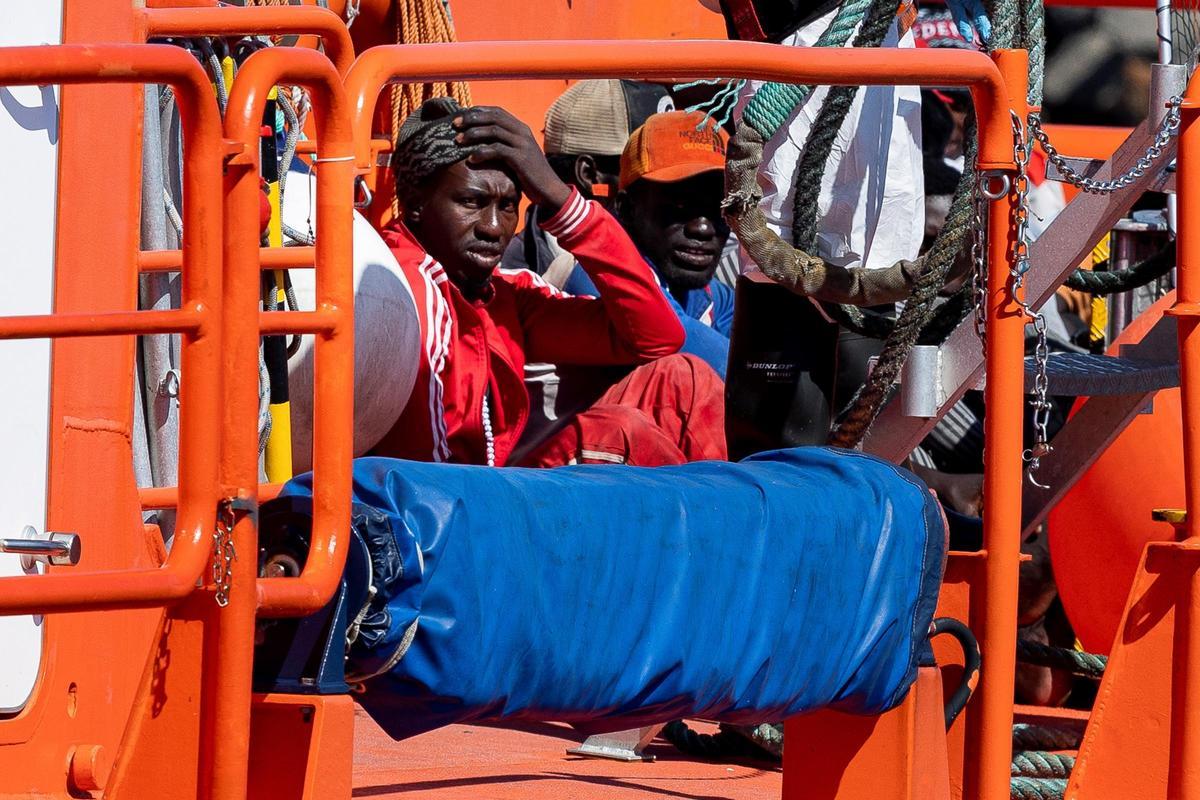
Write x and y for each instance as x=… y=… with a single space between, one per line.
x=671 y=181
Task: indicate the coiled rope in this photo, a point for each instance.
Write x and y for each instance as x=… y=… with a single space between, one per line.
x=1040 y=764
x=1039 y=737
x=1038 y=788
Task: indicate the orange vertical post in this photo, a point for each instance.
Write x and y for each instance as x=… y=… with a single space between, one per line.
x=226 y=731
x=1183 y=779
x=989 y=760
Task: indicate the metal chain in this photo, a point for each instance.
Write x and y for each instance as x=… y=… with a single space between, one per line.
x=1022 y=148
x=1168 y=128
x=352 y=11
x=979 y=262
x=223 y=553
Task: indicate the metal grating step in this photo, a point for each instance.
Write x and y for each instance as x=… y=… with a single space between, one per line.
x=1087 y=375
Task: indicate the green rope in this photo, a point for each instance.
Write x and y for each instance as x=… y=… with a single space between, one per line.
x=1034 y=38
x=773 y=104
x=1085 y=665
x=874 y=325
x=1040 y=764
x=1037 y=788
x=1005 y=24
x=856 y=418
x=1104 y=282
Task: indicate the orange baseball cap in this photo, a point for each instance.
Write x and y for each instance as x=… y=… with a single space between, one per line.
x=671 y=147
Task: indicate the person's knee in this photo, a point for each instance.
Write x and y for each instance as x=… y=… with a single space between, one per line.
x=684 y=369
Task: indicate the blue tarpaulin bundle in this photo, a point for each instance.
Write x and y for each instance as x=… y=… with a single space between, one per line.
x=791 y=581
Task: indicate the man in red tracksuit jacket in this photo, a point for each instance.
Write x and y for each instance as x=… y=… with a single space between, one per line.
x=460 y=173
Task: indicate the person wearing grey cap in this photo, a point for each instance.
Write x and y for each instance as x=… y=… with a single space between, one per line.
x=586 y=130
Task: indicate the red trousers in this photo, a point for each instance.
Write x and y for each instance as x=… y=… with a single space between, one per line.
x=669 y=411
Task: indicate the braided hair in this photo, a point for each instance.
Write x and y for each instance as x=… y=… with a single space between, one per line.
x=426 y=145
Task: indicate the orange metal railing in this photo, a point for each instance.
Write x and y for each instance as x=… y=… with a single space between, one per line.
x=197 y=320
x=253 y=21
x=332 y=322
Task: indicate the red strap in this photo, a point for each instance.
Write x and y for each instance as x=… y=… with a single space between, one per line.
x=745 y=20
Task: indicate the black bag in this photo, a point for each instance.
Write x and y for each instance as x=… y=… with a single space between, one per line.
x=782 y=366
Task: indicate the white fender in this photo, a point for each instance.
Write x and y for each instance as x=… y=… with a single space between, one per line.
x=387 y=336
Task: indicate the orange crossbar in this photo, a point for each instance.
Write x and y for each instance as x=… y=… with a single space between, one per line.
x=255 y=20
x=333 y=412
x=112 y=323
x=271 y=257
x=659 y=60
x=200 y=395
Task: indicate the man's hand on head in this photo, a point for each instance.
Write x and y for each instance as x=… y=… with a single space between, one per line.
x=503 y=138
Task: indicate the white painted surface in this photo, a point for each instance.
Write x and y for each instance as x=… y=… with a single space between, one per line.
x=29 y=123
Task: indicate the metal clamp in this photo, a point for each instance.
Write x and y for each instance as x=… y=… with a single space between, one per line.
x=56 y=549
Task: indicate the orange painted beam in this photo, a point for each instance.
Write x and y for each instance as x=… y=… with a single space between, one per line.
x=271 y=257
x=333 y=323
x=1184 y=771
x=989 y=750
x=691 y=59
x=200 y=396
x=255 y=20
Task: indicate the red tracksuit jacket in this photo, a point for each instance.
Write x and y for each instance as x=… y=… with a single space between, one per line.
x=473 y=347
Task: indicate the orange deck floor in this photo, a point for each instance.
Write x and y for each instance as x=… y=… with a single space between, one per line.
x=489 y=763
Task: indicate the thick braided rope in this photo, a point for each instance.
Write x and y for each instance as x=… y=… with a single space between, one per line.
x=1039 y=737
x=1037 y=788
x=1104 y=282
x=1005 y=24
x=856 y=418
x=824 y=131
x=1085 y=665
x=874 y=325
x=1034 y=39
x=772 y=105
x=1040 y=764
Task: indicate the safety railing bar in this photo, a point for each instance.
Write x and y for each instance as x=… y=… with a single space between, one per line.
x=254 y=21
x=657 y=59
x=201 y=281
x=272 y=258
x=195 y=321
x=154 y=498
x=333 y=402
x=298 y=322
x=309 y=146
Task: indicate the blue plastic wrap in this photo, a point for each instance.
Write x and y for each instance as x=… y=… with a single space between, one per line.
x=792 y=581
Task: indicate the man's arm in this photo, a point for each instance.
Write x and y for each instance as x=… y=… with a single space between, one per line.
x=631 y=321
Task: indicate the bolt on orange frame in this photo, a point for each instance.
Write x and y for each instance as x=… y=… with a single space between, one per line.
x=197 y=320
x=993 y=95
